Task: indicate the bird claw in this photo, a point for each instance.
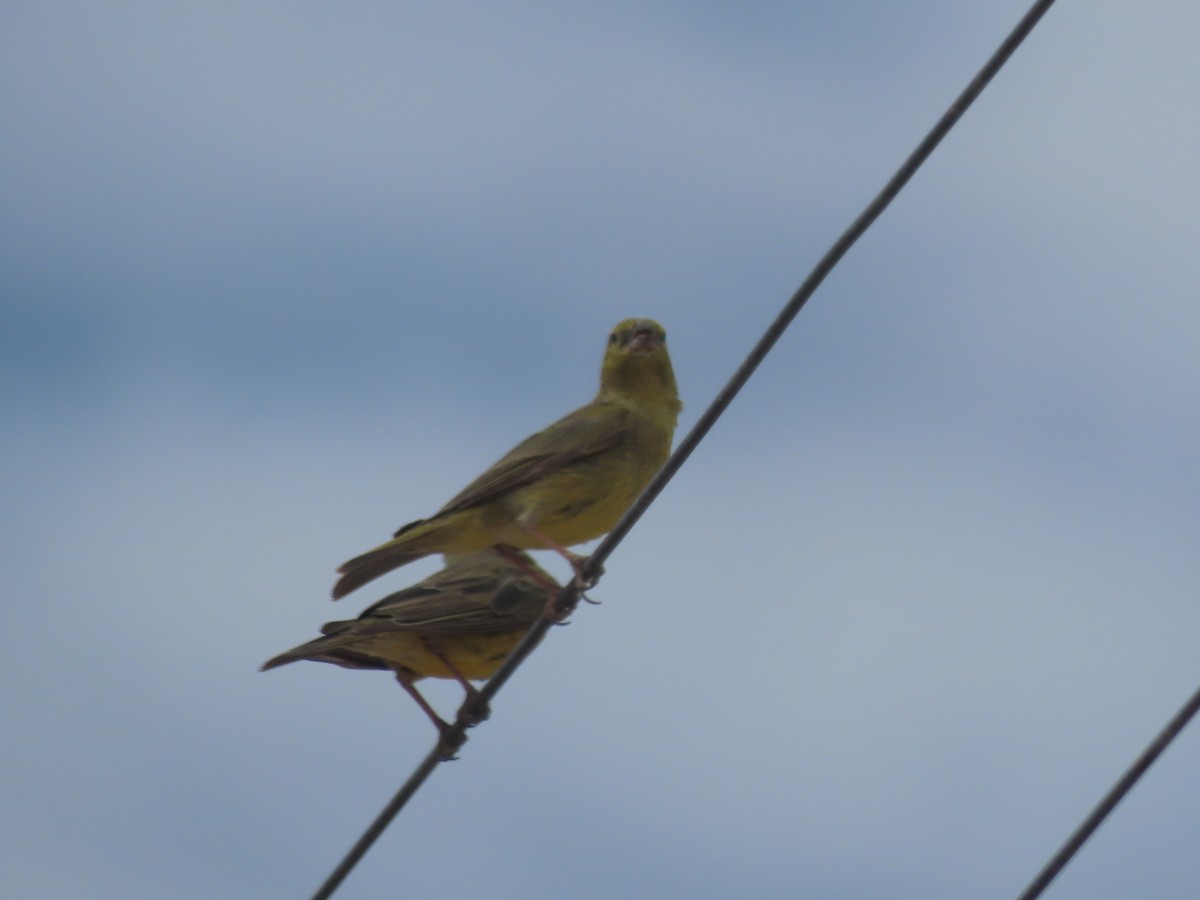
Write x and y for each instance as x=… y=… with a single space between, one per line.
x=474 y=710
x=556 y=614
x=553 y=614
x=449 y=744
x=583 y=583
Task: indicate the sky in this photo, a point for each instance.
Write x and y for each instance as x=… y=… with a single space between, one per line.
x=276 y=278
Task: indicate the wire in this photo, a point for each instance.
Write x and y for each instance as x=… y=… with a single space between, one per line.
x=568 y=599
x=360 y=848
x=1115 y=795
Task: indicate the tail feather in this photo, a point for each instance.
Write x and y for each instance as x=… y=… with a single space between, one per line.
x=276 y=661
x=415 y=540
x=304 y=651
x=327 y=650
x=404 y=529
x=362 y=569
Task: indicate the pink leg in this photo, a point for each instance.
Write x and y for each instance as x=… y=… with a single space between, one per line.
x=406 y=677
x=514 y=556
x=474 y=708
x=574 y=559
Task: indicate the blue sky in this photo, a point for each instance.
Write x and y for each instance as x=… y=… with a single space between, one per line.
x=276 y=278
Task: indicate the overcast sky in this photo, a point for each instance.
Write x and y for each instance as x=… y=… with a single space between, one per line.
x=276 y=278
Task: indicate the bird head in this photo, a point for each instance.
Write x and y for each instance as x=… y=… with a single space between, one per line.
x=637 y=367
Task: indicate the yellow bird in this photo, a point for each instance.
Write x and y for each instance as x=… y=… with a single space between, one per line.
x=565 y=485
x=460 y=623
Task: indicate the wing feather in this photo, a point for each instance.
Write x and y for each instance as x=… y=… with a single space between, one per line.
x=588 y=431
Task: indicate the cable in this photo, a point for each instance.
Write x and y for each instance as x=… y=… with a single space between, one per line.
x=1115 y=795
x=568 y=599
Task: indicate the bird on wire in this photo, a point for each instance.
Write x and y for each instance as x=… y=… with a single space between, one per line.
x=564 y=485
x=461 y=622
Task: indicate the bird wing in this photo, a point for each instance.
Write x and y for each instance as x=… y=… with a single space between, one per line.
x=584 y=433
x=474 y=605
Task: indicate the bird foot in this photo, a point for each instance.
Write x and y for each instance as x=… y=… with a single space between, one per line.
x=554 y=615
x=474 y=709
x=449 y=744
x=584 y=582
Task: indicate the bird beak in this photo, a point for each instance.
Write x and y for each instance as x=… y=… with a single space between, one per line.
x=644 y=340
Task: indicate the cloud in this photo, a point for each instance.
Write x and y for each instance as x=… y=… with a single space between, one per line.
x=277 y=280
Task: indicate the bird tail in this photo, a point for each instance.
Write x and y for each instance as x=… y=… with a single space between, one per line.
x=336 y=648
x=276 y=661
x=401 y=550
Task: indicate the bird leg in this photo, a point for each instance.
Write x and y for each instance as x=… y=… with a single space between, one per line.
x=576 y=561
x=582 y=584
x=513 y=555
x=553 y=589
x=449 y=744
x=474 y=708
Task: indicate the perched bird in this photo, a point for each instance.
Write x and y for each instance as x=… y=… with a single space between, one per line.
x=461 y=623
x=565 y=485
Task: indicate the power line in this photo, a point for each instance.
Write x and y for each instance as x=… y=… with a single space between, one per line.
x=1110 y=800
x=568 y=598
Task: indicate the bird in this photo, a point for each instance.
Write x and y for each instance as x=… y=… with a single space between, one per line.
x=461 y=622
x=564 y=485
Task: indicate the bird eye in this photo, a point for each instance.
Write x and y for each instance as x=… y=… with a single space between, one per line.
x=612 y=338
